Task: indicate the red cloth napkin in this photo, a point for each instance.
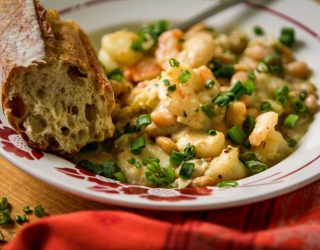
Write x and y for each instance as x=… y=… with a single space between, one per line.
x=287 y=222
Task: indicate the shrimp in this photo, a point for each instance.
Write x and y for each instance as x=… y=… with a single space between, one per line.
x=145 y=69
x=186 y=101
x=169 y=46
x=198 y=50
x=265 y=123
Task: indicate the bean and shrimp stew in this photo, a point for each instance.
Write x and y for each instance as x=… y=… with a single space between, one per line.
x=200 y=108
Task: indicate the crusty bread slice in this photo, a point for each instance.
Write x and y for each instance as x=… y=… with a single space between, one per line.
x=54 y=91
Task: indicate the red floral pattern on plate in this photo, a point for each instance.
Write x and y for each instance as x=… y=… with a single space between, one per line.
x=109 y=186
x=13 y=143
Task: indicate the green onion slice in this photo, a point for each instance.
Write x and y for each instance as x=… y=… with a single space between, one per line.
x=176 y=158
x=137 y=145
x=292 y=143
x=247 y=156
x=207 y=109
x=120 y=177
x=166 y=82
x=258 y=30
x=189 y=152
x=174 y=63
x=186 y=170
x=143 y=121
x=287 y=37
x=27 y=210
x=255 y=166
x=266 y=106
x=184 y=76
x=131 y=160
x=212 y=132
x=299 y=105
x=209 y=84
x=115 y=74
x=249 y=124
x=227 y=184
x=171 y=89
x=39 y=211
x=291 y=120
x=236 y=134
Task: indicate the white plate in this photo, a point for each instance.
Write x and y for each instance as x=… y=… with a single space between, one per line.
x=298 y=170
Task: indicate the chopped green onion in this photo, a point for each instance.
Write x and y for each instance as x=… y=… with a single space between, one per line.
x=299 y=105
x=236 y=134
x=251 y=75
x=186 y=170
x=249 y=124
x=166 y=82
x=303 y=94
x=131 y=160
x=109 y=168
x=207 y=109
x=27 y=210
x=4 y=203
x=128 y=129
x=266 y=106
x=137 y=145
x=115 y=74
x=227 y=184
x=258 y=30
x=214 y=64
x=143 y=121
x=189 y=152
x=262 y=67
x=151 y=178
x=255 y=166
x=91 y=167
x=272 y=59
x=292 y=143
x=225 y=71
x=209 y=84
x=238 y=89
x=21 y=218
x=176 y=158
x=148 y=36
x=274 y=63
x=291 y=120
x=39 y=211
x=171 y=174
x=184 y=76
x=249 y=85
x=247 y=156
x=281 y=94
x=171 y=89
x=154 y=161
x=174 y=63
x=120 y=177
x=282 y=90
x=5 y=217
x=138 y=164
x=152 y=167
x=212 y=132
x=223 y=100
x=287 y=36
x=158 y=176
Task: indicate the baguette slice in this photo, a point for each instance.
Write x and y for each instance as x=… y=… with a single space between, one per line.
x=54 y=91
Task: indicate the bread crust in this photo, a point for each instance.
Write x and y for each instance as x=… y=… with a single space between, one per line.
x=31 y=36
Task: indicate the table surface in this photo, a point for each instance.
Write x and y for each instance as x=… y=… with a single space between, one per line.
x=22 y=189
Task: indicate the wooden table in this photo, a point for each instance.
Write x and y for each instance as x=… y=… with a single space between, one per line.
x=22 y=189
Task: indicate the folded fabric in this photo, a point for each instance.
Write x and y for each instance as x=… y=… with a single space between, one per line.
x=288 y=222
